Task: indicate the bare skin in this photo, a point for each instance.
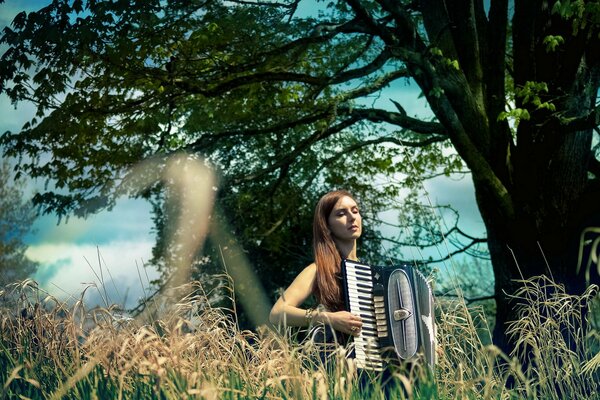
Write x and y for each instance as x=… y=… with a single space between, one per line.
x=345 y=224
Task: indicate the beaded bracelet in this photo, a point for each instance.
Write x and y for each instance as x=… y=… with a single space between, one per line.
x=308 y=315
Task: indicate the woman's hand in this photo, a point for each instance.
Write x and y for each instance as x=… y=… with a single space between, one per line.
x=342 y=321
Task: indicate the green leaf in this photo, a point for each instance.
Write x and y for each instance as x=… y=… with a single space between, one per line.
x=436 y=92
x=552 y=42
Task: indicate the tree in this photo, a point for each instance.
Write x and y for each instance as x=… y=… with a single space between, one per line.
x=16 y=217
x=513 y=89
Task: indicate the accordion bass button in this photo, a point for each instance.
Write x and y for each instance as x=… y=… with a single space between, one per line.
x=401 y=314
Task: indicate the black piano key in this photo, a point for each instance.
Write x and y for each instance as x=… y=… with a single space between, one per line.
x=354 y=292
x=355 y=280
x=364 y=274
x=368 y=350
x=368 y=335
x=365 y=308
x=367 y=317
x=361 y=268
x=368 y=363
x=366 y=304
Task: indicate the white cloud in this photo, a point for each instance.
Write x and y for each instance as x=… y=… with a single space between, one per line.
x=66 y=269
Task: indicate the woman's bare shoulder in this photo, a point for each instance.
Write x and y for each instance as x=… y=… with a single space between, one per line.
x=312 y=267
x=309 y=271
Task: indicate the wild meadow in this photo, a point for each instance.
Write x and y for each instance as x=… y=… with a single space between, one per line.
x=183 y=347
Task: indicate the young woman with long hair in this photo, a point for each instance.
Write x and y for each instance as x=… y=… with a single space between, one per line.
x=336 y=227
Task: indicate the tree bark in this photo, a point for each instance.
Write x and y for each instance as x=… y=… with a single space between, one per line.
x=539 y=197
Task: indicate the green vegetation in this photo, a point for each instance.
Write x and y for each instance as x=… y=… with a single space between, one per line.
x=49 y=350
x=286 y=105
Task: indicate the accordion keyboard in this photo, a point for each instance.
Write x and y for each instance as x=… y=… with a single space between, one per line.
x=362 y=302
x=396 y=307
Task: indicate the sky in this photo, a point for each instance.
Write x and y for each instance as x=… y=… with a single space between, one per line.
x=112 y=247
x=68 y=252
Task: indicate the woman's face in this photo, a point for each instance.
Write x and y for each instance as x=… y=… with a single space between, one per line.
x=345 y=221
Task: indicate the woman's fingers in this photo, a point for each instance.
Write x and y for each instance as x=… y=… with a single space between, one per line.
x=355 y=327
x=348 y=322
x=354 y=317
x=355 y=324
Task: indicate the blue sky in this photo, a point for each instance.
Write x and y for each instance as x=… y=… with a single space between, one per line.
x=73 y=253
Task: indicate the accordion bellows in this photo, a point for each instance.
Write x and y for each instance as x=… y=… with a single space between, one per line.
x=396 y=306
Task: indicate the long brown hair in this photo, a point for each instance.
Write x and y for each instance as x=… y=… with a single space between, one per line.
x=327 y=288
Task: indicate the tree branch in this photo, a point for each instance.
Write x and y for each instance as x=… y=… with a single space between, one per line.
x=373 y=66
x=275 y=4
x=321 y=33
x=440 y=240
x=589 y=121
x=371 y=23
x=437 y=25
x=452 y=254
x=349 y=149
x=376 y=86
x=189 y=86
x=373 y=115
x=406 y=32
x=201 y=143
x=466 y=39
x=298 y=150
x=395 y=118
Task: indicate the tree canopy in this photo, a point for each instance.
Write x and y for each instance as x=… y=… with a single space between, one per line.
x=286 y=104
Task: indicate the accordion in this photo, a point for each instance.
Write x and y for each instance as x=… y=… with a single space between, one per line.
x=396 y=307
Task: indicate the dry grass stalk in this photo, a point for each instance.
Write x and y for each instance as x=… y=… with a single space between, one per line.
x=550 y=332
x=190 y=349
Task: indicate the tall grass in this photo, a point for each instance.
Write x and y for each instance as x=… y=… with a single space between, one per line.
x=190 y=349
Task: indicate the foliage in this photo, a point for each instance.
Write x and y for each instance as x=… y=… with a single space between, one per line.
x=262 y=97
x=16 y=217
x=286 y=106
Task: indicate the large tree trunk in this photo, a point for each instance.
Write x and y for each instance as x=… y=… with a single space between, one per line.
x=533 y=190
x=552 y=203
x=518 y=253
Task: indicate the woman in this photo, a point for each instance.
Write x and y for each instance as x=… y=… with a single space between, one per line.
x=336 y=227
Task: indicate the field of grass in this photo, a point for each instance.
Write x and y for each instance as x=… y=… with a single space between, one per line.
x=187 y=349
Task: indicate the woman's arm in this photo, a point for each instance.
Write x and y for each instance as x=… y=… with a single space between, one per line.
x=286 y=310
